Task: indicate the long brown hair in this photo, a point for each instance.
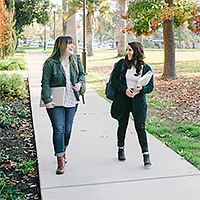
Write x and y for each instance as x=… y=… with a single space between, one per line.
x=138 y=57
x=60 y=45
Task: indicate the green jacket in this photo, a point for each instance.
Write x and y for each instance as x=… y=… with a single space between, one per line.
x=139 y=104
x=54 y=76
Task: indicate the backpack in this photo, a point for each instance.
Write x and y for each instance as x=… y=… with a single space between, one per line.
x=110 y=91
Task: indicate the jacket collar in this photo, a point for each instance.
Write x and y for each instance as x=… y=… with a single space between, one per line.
x=58 y=62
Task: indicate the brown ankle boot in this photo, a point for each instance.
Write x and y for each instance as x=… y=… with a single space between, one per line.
x=61 y=165
x=65 y=157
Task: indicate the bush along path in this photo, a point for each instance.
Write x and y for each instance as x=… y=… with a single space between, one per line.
x=18 y=159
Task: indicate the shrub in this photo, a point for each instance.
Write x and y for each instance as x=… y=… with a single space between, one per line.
x=17 y=65
x=11 y=113
x=12 y=87
x=20 y=51
x=3 y=64
x=12 y=64
x=6 y=191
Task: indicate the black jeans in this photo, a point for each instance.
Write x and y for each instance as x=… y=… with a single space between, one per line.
x=122 y=126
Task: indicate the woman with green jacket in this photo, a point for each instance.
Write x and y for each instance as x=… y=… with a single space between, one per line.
x=62 y=69
x=124 y=79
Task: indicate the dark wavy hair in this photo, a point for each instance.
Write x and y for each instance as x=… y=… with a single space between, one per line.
x=60 y=46
x=138 y=57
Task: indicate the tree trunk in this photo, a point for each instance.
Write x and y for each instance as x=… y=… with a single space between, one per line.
x=89 y=33
x=45 y=38
x=122 y=24
x=169 y=71
x=63 y=21
x=72 y=30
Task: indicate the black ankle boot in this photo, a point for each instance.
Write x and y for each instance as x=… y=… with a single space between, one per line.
x=121 y=155
x=147 y=162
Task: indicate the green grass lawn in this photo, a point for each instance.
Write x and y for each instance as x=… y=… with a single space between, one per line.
x=23 y=48
x=173 y=106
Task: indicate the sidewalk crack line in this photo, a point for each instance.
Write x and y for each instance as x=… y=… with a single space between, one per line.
x=122 y=181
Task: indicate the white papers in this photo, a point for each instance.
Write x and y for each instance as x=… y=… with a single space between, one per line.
x=57 y=96
x=144 y=80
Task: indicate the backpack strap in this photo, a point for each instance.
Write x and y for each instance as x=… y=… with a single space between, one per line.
x=74 y=60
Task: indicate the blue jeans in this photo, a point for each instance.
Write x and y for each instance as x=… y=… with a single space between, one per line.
x=61 y=120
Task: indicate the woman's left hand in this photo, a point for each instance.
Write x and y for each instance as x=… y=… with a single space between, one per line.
x=77 y=87
x=137 y=89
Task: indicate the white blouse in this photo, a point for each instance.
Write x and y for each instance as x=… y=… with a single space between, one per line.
x=131 y=79
x=70 y=99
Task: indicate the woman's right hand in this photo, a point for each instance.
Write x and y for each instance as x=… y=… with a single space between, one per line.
x=50 y=105
x=129 y=93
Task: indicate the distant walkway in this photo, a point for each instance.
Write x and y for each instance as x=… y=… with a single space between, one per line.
x=93 y=171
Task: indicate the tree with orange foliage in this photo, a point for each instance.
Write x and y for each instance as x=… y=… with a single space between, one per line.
x=6 y=24
x=149 y=15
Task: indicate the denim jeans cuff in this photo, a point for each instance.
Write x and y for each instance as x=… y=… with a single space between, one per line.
x=60 y=154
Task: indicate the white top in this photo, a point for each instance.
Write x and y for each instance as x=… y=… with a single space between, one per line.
x=131 y=79
x=70 y=99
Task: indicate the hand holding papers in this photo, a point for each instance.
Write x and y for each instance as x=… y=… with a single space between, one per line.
x=144 y=80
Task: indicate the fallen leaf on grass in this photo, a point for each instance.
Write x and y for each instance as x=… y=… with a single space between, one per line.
x=6 y=164
x=15 y=181
x=33 y=186
x=161 y=136
x=29 y=194
x=167 y=144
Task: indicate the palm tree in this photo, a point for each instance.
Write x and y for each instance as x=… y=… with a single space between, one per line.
x=93 y=6
x=122 y=24
x=99 y=27
x=63 y=21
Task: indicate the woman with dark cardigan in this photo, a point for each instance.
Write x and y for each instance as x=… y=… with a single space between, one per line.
x=124 y=79
x=62 y=69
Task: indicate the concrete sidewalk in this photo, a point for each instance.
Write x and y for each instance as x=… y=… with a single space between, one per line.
x=93 y=171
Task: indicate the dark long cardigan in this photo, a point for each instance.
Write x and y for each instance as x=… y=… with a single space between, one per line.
x=139 y=104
